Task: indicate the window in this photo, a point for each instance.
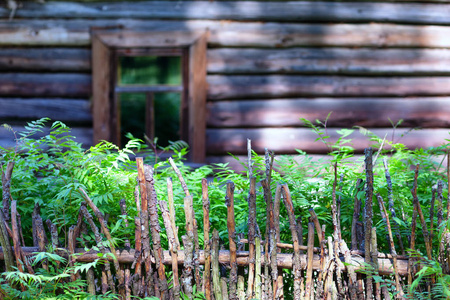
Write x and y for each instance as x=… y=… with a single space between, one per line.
x=126 y=99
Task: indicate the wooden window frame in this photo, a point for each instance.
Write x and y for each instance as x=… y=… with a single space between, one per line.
x=107 y=44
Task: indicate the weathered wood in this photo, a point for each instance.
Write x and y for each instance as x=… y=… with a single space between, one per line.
x=6 y=187
x=101 y=89
x=173 y=244
x=296 y=257
x=197 y=98
x=416 y=203
x=65 y=110
x=391 y=243
x=368 y=219
x=240 y=10
x=206 y=241
x=346 y=112
x=329 y=60
x=240 y=87
x=285 y=140
x=356 y=211
x=309 y=290
x=231 y=226
x=188 y=242
x=284 y=260
x=77 y=33
x=45 y=84
x=45 y=59
x=109 y=283
x=155 y=230
x=252 y=224
x=215 y=265
x=16 y=240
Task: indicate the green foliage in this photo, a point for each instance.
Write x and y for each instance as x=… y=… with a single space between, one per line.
x=53 y=283
x=50 y=167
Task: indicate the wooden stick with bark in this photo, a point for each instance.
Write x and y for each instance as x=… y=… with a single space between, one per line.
x=231 y=226
x=215 y=266
x=270 y=244
x=188 y=242
x=296 y=261
x=391 y=205
x=258 y=266
x=20 y=257
x=352 y=278
x=6 y=245
x=356 y=212
x=155 y=229
x=100 y=245
x=180 y=177
x=420 y=213
x=374 y=254
x=207 y=244
x=391 y=243
x=277 y=273
x=412 y=245
x=198 y=280
x=150 y=286
x=136 y=279
x=71 y=248
x=172 y=210
x=53 y=233
x=173 y=248
x=316 y=223
x=105 y=230
x=6 y=188
x=368 y=217
x=251 y=237
x=309 y=290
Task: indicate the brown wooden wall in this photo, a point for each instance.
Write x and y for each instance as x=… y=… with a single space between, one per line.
x=269 y=64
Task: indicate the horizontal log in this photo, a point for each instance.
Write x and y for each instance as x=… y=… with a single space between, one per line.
x=45 y=59
x=346 y=112
x=283 y=260
x=82 y=135
x=304 y=11
x=329 y=60
x=65 y=110
x=233 y=34
x=257 y=61
x=45 y=85
x=271 y=86
x=286 y=140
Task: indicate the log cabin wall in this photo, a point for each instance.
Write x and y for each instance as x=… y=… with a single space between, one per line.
x=269 y=64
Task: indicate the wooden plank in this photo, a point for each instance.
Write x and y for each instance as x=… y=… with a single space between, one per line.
x=45 y=85
x=65 y=110
x=259 y=86
x=233 y=34
x=329 y=60
x=197 y=87
x=45 y=59
x=82 y=135
x=161 y=38
x=103 y=110
x=346 y=112
x=299 y=11
x=286 y=140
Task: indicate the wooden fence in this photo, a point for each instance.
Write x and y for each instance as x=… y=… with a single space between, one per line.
x=253 y=267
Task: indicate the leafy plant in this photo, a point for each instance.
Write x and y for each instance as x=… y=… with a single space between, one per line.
x=50 y=283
